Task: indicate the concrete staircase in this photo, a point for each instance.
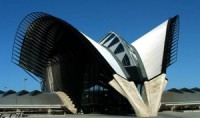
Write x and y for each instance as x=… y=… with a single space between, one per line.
x=67 y=102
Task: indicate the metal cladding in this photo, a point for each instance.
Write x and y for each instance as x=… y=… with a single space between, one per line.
x=158 y=48
x=36 y=41
x=27 y=50
x=67 y=60
x=171 y=42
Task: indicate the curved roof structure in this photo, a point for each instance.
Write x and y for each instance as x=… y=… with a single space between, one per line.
x=37 y=42
x=187 y=90
x=67 y=60
x=158 y=48
x=196 y=89
x=1 y=91
x=39 y=34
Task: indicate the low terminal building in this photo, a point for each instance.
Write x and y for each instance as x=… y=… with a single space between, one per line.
x=35 y=102
x=181 y=99
x=59 y=103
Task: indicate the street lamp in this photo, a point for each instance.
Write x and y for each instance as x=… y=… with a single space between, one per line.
x=25 y=79
x=5 y=88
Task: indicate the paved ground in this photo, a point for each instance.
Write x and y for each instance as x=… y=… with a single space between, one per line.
x=169 y=114
x=166 y=114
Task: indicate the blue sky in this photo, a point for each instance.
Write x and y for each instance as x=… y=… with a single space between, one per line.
x=129 y=18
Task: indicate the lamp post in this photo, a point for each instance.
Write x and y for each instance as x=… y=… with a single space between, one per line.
x=5 y=88
x=25 y=79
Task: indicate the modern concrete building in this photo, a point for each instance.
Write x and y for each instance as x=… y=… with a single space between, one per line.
x=106 y=76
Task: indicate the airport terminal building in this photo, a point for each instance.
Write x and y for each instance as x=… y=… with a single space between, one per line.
x=66 y=60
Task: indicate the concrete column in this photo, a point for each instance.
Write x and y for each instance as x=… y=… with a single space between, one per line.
x=146 y=105
x=49 y=80
x=153 y=90
x=49 y=111
x=129 y=90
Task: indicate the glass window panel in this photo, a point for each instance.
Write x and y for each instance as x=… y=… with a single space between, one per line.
x=109 y=37
x=125 y=61
x=115 y=40
x=119 y=49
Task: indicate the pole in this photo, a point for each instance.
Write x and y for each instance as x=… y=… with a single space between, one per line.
x=25 y=79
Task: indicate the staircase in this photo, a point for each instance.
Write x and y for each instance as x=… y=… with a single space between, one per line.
x=67 y=102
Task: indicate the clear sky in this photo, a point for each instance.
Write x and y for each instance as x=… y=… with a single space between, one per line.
x=129 y=18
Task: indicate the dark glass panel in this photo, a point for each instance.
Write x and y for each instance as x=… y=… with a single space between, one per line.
x=119 y=49
x=126 y=61
x=109 y=38
x=115 y=40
